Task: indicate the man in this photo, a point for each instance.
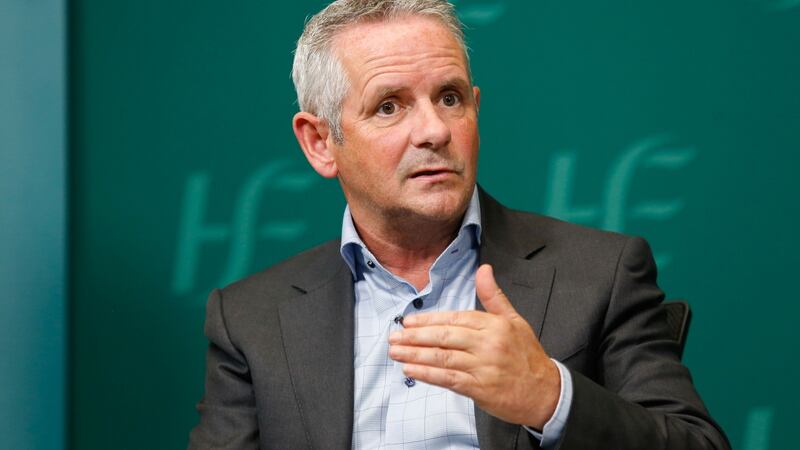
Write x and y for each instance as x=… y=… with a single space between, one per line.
x=374 y=341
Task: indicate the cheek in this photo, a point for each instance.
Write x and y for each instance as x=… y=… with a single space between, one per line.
x=465 y=135
x=387 y=147
x=373 y=159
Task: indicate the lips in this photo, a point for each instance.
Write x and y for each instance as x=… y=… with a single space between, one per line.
x=430 y=172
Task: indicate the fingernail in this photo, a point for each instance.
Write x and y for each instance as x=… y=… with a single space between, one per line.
x=394 y=337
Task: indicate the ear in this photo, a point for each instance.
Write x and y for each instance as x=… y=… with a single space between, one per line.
x=312 y=135
x=476 y=93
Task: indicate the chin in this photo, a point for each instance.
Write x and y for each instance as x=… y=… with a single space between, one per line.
x=444 y=205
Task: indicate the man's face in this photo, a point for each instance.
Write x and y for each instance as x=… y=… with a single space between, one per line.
x=410 y=121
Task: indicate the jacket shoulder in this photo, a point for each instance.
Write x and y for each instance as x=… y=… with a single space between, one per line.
x=289 y=277
x=558 y=231
x=513 y=228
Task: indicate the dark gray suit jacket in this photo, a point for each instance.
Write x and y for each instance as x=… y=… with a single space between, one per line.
x=280 y=361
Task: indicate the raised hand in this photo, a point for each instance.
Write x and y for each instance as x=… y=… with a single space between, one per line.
x=492 y=357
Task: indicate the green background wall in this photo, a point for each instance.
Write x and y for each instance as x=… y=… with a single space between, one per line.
x=33 y=348
x=678 y=121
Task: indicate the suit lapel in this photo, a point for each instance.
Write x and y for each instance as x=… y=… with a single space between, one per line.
x=527 y=284
x=317 y=330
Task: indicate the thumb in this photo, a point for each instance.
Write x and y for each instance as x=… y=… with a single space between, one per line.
x=489 y=293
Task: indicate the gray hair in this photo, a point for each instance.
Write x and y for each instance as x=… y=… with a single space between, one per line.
x=318 y=75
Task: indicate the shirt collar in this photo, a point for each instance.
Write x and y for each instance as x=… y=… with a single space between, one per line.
x=351 y=241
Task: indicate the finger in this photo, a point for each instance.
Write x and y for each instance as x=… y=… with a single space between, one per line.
x=489 y=293
x=433 y=357
x=457 y=338
x=476 y=320
x=454 y=380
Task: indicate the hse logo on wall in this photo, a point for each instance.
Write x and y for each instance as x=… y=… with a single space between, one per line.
x=613 y=209
x=758 y=426
x=244 y=230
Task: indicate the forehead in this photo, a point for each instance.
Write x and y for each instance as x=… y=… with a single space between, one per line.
x=402 y=46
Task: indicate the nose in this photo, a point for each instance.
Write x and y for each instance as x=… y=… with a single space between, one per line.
x=430 y=131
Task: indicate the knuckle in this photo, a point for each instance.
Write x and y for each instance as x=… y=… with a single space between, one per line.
x=451 y=379
x=444 y=358
x=444 y=335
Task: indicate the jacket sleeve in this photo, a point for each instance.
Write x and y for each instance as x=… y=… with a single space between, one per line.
x=642 y=397
x=228 y=418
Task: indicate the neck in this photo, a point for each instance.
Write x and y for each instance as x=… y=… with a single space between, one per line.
x=407 y=248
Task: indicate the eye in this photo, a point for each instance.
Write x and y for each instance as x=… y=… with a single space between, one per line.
x=450 y=99
x=387 y=108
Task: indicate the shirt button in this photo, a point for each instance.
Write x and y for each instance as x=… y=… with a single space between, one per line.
x=410 y=381
x=418 y=303
x=370 y=264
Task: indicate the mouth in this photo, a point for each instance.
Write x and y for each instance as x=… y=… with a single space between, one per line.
x=432 y=172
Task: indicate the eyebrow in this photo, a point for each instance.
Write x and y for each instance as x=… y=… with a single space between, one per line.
x=458 y=84
x=387 y=91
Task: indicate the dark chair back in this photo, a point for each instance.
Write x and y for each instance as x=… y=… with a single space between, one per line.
x=679 y=316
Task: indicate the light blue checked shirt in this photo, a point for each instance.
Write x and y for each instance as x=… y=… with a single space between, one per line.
x=391 y=412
